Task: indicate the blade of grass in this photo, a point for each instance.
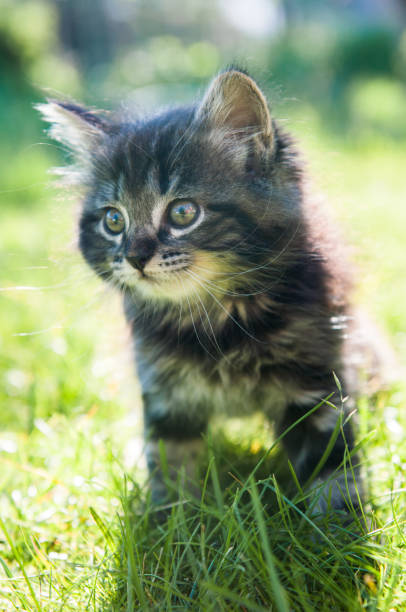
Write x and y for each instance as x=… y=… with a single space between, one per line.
x=281 y=600
x=20 y=565
x=103 y=527
x=327 y=451
x=133 y=579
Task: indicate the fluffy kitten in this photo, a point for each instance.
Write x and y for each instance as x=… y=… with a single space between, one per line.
x=236 y=300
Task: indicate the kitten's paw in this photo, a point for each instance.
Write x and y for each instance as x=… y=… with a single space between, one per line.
x=164 y=496
x=339 y=493
x=335 y=510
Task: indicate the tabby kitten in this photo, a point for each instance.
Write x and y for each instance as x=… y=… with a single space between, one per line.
x=235 y=298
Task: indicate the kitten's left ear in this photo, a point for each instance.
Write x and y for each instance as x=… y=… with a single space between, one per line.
x=74 y=126
x=235 y=103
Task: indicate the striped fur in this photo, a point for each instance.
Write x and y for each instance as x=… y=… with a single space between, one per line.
x=245 y=309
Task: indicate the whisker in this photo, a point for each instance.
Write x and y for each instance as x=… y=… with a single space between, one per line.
x=179 y=319
x=214 y=340
x=223 y=291
x=39 y=331
x=266 y=264
x=195 y=330
x=225 y=310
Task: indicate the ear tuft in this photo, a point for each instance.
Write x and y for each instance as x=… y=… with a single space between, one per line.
x=234 y=102
x=74 y=126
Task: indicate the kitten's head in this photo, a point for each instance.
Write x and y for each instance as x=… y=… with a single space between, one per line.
x=195 y=200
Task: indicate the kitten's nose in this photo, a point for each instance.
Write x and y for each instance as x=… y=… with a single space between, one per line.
x=137 y=262
x=140 y=251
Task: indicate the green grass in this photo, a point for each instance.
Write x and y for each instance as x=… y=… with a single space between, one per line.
x=77 y=531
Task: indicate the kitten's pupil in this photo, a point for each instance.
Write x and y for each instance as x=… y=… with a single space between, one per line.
x=114 y=221
x=182 y=214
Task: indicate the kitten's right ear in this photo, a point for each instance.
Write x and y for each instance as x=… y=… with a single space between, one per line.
x=80 y=129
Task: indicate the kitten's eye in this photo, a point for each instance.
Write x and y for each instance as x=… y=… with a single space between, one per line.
x=182 y=214
x=114 y=221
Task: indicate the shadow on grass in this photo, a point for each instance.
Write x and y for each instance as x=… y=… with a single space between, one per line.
x=247 y=544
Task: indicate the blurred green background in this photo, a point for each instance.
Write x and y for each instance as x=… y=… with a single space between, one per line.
x=344 y=60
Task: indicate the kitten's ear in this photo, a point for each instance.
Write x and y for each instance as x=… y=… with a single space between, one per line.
x=74 y=126
x=234 y=102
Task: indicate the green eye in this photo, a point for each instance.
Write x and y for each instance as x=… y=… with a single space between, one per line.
x=182 y=214
x=114 y=221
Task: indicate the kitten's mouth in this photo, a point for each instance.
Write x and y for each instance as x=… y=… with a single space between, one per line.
x=157 y=271
x=176 y=277
x=161 y=276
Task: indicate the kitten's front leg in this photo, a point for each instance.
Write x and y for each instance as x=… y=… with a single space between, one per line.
x=335 y=487
x=174 y=444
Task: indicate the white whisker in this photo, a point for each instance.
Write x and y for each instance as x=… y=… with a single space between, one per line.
x=211 y=328
x=223 y=308
x=194 y=327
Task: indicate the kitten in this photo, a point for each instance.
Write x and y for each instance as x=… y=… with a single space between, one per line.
x=235 y=297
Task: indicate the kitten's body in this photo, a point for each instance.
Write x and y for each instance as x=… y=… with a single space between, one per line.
x=242 y=309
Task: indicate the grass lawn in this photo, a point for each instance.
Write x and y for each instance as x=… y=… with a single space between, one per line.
x=76 y=529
